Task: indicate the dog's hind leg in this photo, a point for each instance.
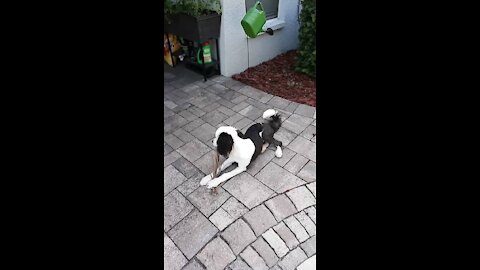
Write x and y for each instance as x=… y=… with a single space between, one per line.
x=264 y=147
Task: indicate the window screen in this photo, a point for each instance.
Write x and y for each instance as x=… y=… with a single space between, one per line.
x=270 y=6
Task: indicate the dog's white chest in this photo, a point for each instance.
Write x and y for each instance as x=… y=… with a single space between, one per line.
x=243 y=150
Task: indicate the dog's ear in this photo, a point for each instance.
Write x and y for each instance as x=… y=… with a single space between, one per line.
x=224 y=144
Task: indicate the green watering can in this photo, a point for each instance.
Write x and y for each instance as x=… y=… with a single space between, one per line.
x=254 y=21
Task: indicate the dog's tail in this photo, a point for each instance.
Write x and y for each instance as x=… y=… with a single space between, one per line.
x=270 y=114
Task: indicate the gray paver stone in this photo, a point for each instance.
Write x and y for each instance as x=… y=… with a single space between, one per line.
x=297 y=123
x=307 y=223
x=312 y=213
x=214 y=117
x=221 y=219
x=287 y=155
x=183 y=135
x=238 y=235
x=277 y=178
x=234 y=208
x=313 y=188
x=260 y=162
x=310 y=246
x=265 y=98
x=185 y=167
x=233 y=119
x=281 y=207
x=265 y=251
x=167 y=149
x=240 y=106
x=309 y=172
x=188 y=115
x=239 y=99
x=243 y=124
x=193 y=125
x=276 y=242
x=218 y=88
x=247 y=189
x=285 y=136
x=292 y=107
x=293 y=259
x=216 y=255
x=175 y=208
x=171 y=255
x=170 y=158
x=301 y=197
x=192 y=233
x=287 y=236
x=253 y=259
x=251 y=112
x=296 y=164
x=193 y=265
x=169 y=104
x=304 y=147
x=205 y=163
x=297 y=228
x=279 y=102
x=204 y=132
x=309 y=264
x=171 y=179
x=206 y=201
x=173 y=122
x=252 y=92
x=196 y=111
x=305 y=110
x=226 y=111
x=239 y=264
x=309 y=133
x=260 y=219
x=193 y=150
x=191 y=184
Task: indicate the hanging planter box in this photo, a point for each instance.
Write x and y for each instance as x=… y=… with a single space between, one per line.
x=199 y=29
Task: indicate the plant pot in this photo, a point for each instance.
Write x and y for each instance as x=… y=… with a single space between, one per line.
x=199 y=29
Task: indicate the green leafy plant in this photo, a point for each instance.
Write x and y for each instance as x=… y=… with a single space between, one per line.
x=192 y=7
x=307 y=51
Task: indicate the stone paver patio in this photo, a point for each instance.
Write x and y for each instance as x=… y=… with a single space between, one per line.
x=264 y=218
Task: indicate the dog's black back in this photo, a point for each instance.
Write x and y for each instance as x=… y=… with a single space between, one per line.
x=253 y=133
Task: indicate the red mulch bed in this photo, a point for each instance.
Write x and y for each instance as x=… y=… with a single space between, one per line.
x=278 y=77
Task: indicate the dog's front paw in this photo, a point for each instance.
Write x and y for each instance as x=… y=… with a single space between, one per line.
x=213 y=184
x=205 y=180
x=278 y=153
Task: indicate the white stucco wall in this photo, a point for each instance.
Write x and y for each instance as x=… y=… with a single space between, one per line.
x=237 y=53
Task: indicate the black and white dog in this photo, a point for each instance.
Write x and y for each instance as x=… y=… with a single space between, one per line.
x=243 y=148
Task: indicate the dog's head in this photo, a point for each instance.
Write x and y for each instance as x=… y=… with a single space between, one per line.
x=274 y=119
x=225 y=138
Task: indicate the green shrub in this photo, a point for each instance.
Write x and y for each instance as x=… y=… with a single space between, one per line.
x=307 y=51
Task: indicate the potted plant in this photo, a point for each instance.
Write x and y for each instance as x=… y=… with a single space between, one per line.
x=197 y=20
